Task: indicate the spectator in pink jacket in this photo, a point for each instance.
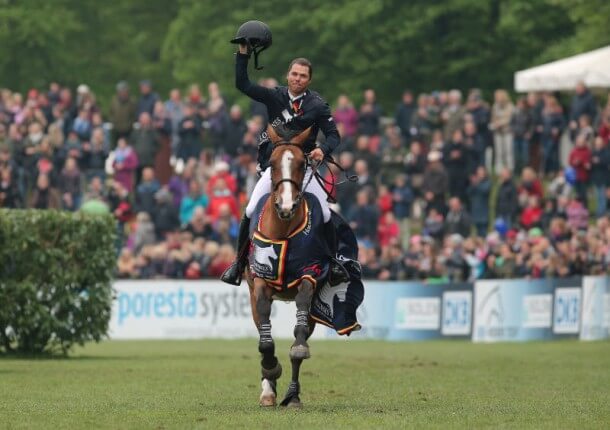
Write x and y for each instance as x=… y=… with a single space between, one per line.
x=346 y=117
x=125 y=164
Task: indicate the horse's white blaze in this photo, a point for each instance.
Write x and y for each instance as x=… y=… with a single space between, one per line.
x=286 y=202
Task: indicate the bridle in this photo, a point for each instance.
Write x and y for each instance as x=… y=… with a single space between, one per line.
x=315 y=166
x=302 y=187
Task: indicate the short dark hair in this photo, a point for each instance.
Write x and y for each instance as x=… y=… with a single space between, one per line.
x=302 y=62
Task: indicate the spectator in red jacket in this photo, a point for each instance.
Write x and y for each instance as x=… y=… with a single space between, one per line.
x=531 y=215
x=384 y=200
x=221 y=262
x=220 y=195
x=580 y=160
x=221 y=171
x=388 y=230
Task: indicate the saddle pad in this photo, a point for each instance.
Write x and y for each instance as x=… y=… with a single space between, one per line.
x=268 y=258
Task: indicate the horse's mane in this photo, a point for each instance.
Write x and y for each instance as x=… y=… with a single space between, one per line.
x=283 y=133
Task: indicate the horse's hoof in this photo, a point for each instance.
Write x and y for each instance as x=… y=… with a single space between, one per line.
x=299 y=352
x=268 y=396
x=267 y=401
x=294 y=404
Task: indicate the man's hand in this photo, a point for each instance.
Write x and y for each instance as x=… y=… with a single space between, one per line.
x=317 y=154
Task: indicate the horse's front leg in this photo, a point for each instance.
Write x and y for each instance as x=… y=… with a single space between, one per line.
x=299 y=350
x=271 y=369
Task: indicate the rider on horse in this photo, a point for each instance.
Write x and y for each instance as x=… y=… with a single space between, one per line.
x=292 y=109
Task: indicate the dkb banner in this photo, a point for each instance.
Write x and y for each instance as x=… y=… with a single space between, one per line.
x=415 y=311
x=512 y=310
x=595 y=308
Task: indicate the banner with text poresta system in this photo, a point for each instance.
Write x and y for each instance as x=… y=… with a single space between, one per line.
x=173 y=309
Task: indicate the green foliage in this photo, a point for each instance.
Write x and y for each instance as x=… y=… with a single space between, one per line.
x=590 y=20
x=389 y=45
x=354 y=44
x=55 y=279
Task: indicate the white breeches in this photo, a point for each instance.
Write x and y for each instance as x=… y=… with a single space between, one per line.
x=263 y=186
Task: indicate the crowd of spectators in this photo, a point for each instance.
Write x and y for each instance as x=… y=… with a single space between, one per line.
x=447 y=188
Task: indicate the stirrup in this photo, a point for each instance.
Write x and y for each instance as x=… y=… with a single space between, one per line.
x=338 y=274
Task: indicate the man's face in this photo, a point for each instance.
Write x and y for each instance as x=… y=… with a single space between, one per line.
x=298 y=79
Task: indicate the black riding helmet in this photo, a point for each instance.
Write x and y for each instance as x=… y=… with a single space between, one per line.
x=255 y=34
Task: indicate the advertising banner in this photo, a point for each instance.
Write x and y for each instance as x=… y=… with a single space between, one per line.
x=489 y=311
x=595 y=308
x=174 y=309
x=457 y=313
x=566 y=307
x=415 y=311
x=512 y=310
x=566 y=310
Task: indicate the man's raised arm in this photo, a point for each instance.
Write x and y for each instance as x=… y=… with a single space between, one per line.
x=243 y=83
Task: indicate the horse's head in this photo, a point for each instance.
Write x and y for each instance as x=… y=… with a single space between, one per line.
x=288 y=164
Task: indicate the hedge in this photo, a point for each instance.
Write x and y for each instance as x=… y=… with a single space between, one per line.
x=56 y=269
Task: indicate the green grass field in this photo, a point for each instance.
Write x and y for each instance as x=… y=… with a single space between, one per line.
x=357 y=384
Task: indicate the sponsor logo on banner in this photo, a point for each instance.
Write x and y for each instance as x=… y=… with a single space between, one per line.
x=537 y=310
x=594 y=308
x=422 y=313
x=190 y=309
x=490 y=314
x=457 y=313
x=566 y=313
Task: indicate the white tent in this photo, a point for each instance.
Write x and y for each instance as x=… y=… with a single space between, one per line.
x=592 y=68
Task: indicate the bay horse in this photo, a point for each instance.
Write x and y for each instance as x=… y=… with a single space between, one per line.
x=284 y=213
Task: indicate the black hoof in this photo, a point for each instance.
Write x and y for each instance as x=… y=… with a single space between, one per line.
x=292 y=400
x=295 y=403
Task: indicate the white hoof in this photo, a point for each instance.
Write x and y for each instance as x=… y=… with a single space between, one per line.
x=268 y=397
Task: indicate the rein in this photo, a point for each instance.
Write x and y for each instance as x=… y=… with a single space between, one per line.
x=333 y=183
x=327 y=161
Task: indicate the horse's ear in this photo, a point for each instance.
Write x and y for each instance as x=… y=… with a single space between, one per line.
x=273 y=135
x=301 y=138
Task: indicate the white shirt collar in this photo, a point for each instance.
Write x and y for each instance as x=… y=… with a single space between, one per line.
x=294 y=98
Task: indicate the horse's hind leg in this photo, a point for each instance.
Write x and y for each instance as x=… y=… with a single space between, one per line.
x=271 y=369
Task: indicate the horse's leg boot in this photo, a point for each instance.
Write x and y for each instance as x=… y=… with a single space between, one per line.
x=234 y=272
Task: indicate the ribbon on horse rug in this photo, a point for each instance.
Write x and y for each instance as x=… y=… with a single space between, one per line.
x=304 y=253
x=336 y=306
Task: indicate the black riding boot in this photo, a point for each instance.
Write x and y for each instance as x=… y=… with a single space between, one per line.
x=234 y=273
x=337 y=274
